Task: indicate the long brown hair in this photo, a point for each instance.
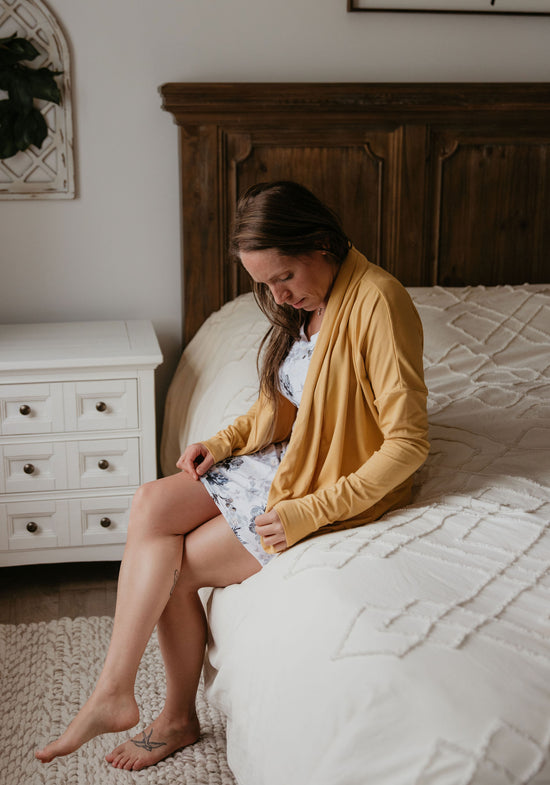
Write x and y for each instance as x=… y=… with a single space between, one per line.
x=285 y=216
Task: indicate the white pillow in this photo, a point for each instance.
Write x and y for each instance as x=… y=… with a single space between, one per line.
x=216 y=379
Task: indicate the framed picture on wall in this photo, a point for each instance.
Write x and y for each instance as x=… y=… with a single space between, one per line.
x=529 y=7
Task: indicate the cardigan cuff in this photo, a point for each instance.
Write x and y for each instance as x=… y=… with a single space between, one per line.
x=218 y=448
x=296 y=522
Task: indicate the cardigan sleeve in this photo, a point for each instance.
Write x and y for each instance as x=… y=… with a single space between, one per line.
x=402 y=452
x=391 y=351
x=253 y=430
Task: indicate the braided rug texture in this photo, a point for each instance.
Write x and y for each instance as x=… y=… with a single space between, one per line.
x=48 y=669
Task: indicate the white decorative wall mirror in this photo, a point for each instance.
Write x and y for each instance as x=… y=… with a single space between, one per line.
x=529 y=7
x=47 y=171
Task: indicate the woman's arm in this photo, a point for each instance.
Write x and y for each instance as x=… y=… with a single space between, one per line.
x=260 y=426
x=392 y=363
x=402 y=452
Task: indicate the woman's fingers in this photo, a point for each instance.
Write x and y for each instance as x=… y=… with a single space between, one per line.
x=203 y=466
x=270 y=528
x=196 y=460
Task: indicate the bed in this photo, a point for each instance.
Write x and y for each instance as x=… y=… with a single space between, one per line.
x=414 y=650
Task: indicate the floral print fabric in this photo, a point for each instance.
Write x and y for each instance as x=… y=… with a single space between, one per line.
x=239 y=485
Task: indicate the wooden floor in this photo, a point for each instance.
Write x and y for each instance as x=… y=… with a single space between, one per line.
x=42 y=592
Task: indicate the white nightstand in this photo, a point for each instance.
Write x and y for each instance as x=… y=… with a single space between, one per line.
x=77 y=437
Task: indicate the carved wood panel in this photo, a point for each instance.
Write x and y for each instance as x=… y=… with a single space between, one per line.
x=349 y=178
x=437 y=183
x=490 y=210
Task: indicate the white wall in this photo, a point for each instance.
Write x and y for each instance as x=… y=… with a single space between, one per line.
x=114 y=252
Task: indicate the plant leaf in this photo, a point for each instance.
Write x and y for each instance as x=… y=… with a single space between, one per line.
x=8 y=146
x=14 y=49
x=6 y=111
x=18 y=82
x=4 y=78
x=29 y=128
x=21 y=123
x=42 y=84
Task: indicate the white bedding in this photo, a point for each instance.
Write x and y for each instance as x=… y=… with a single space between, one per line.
x=415 y=650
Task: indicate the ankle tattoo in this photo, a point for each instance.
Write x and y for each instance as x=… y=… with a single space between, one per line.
x=146 y=743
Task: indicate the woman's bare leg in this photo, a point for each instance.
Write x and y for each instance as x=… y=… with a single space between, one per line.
x=162 y=511
x=213 y=556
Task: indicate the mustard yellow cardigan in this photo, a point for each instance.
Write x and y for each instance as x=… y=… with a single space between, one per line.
x=361 y=429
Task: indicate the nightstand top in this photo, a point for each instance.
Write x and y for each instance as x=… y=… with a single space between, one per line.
x=29 y=347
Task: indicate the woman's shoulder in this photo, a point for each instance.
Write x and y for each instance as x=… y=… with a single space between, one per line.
x=377 y=286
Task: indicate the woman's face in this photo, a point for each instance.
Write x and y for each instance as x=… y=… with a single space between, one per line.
x=301 y=281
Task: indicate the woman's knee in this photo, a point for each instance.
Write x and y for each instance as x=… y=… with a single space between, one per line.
x=148 y=507
x=146 y=495
x=171 y=505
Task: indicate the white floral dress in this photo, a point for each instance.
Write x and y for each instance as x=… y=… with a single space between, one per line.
x=240 y=484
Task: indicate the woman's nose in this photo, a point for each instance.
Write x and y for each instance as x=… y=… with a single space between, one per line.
x=280 y=293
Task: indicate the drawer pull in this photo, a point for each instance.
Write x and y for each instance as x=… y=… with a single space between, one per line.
x=103 y=464
x=31 y=527
x=101 y=406
x=28 y=468
x=24 y=409
x=105 y=522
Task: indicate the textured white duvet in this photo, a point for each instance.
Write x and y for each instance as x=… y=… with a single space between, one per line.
x=415 y=650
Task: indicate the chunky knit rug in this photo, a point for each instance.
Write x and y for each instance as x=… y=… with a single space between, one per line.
x=47 y=672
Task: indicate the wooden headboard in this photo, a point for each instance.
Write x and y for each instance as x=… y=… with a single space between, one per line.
x=439 y=183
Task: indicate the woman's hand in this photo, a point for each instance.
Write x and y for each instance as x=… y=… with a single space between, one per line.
x=269 y=526
x=196 y=460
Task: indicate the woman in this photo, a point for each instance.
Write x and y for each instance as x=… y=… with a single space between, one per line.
x=333 y=440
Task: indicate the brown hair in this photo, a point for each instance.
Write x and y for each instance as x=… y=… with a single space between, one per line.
x=285 y=216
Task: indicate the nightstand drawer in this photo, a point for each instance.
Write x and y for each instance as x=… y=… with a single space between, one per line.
x=101 y=405
x=99 y=521
x=103 y=463
x=28 y=468
x=27 y=525
x=54 y=466
x=31 y=409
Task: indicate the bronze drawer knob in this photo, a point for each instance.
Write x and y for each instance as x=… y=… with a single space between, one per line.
x=28 y=468
x=103 y=464
x=31 y=527
x=105 y=522
x=24 y=409
x=101 y=406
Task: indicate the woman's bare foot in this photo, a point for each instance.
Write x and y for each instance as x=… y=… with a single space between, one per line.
x=156 y=742
x=104 y=712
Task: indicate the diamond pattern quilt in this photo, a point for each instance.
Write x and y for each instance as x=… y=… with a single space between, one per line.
x=415 y=650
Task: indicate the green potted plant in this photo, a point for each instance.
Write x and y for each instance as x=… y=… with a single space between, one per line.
x=21 y=122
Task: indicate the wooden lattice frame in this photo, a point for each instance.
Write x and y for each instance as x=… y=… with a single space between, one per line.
x=48 y=172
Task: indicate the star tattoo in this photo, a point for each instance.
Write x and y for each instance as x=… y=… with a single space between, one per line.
x=146 y=742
